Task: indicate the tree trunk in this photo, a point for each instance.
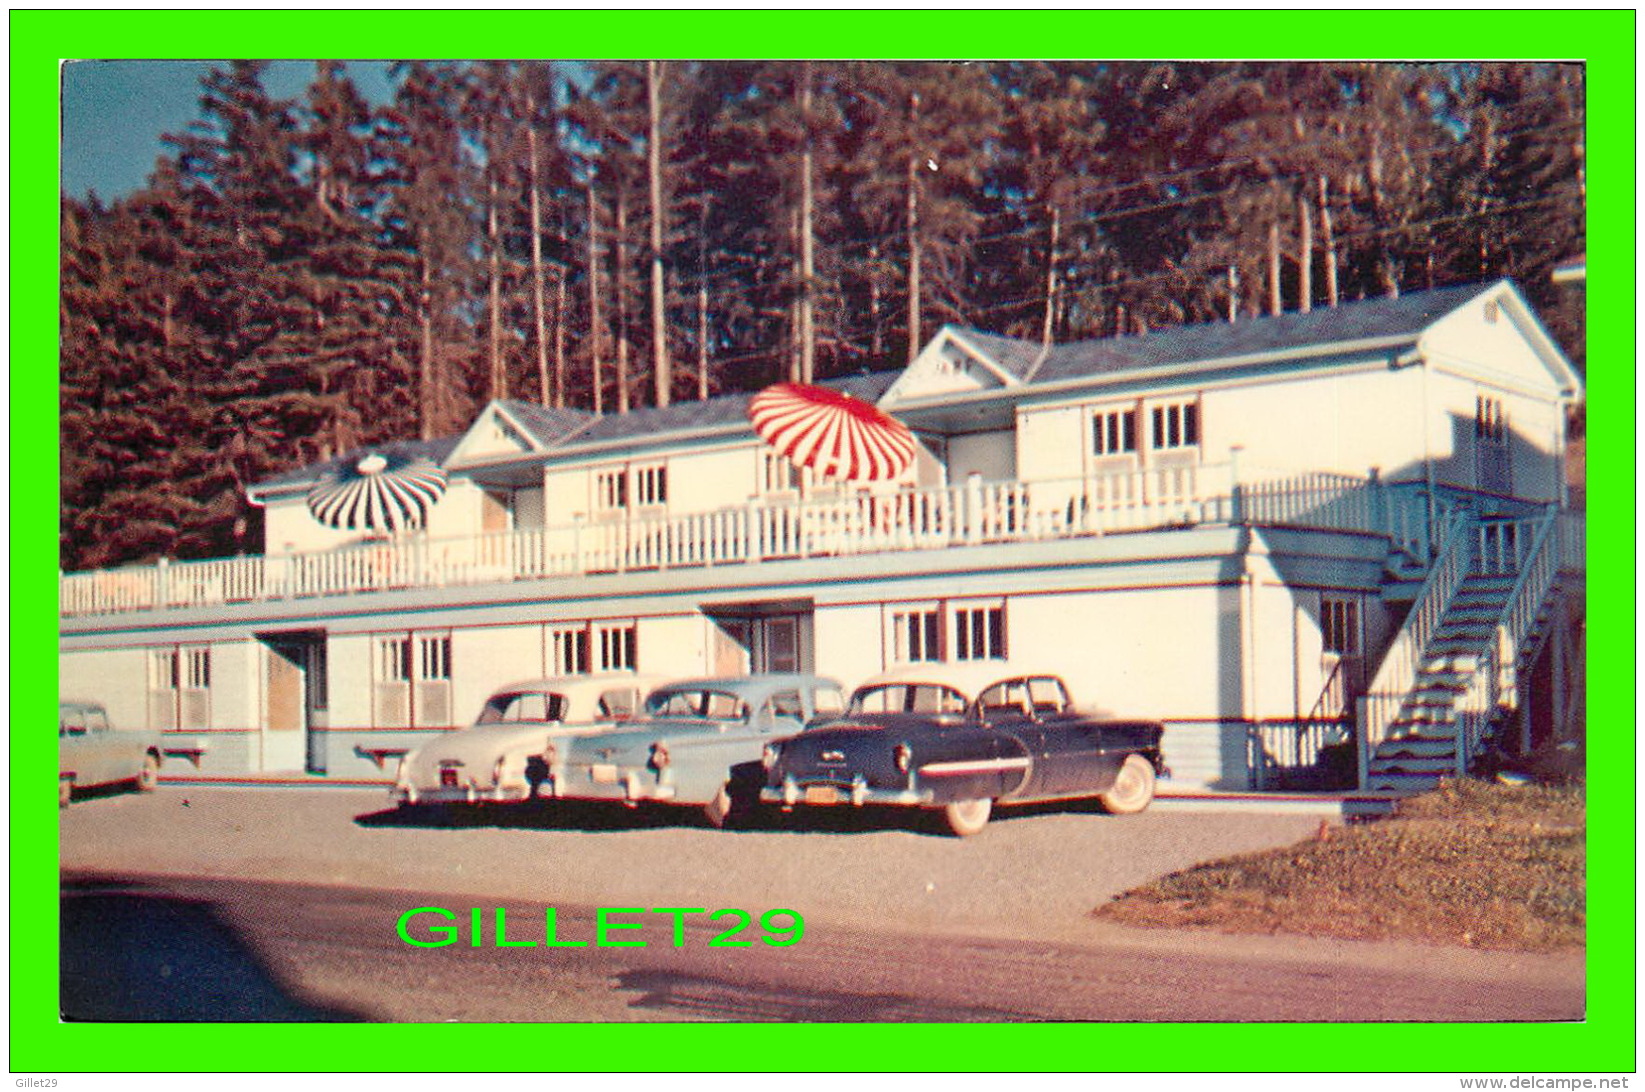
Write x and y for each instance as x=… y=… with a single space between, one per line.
x=661 y=368
x=597 y=372
x=1274 y=302
x=1051 y=276
x=499 y=374
x=620 y=289
x=1329 y=242
x=913 y=223
x=702 y=341
x=427 y=395
x=807 y=316
x=1305 y=256
x=538 y=303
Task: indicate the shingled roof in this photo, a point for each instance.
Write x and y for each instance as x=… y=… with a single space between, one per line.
x=1325 y=329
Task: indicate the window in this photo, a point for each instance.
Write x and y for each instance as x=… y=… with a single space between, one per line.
x=413 y=681
x=1113 y=432
x=611 y=490
x=1490 y=422
x=916 y=636
x=1175 y=425
x=1339 y=625
x=568 y=650
x=651 y=485
x=963 y=631
x=180 y=687
x=979 y=633
x=616 y=646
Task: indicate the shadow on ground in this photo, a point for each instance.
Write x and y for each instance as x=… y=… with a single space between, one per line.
x=129 y=954
x=698 y=997
x=599 y=816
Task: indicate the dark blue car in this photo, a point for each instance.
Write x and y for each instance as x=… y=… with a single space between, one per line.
x=955 y=739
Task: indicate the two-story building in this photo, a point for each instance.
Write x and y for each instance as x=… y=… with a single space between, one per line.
x=1274 y=535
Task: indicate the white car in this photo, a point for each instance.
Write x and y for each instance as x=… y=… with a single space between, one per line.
x=499 y=759
x=91 y=752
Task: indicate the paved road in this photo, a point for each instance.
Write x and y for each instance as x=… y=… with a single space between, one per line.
x=293 y=894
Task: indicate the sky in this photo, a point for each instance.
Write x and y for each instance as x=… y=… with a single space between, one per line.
x=115 y=112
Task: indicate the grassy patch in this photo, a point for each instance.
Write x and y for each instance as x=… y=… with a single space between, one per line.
x=1473 y=863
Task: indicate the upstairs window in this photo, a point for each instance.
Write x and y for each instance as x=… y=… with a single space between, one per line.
x=1339 y=625
x=1113 y=432
x=1490 y=420
x=611 y=490
x=651 y=484
x=1175 y=426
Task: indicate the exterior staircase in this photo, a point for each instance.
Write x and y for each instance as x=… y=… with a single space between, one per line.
x=1422 y=742
x=1454 y=674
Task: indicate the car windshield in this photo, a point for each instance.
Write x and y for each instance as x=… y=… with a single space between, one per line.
x=928 y=698
x=525 y=706
x=697 y=704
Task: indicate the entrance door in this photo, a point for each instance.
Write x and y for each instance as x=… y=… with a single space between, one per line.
x=294 y=715
x=757 y=638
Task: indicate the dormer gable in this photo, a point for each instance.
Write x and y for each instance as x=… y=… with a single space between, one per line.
x=507 y=430
x=954 y=362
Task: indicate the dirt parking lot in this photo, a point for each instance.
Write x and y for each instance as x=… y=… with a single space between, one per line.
x=1032 y=873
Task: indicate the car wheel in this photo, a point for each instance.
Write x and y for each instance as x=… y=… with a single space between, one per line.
x=718 y=810
x=65 y=791
x=967 y=817
x=149 y=778
x=1133 y=788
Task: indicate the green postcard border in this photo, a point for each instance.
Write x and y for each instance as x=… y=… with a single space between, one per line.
x=1604 y=1042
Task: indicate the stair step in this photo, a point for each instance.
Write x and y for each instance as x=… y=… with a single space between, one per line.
x=1403 y=782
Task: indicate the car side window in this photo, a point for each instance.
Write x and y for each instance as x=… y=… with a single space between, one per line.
x=828 y=701
x=786 y=703
x=97 y=720
x=618 y=704
x=1004 y=699
x=71 y=722
x=1048 y=695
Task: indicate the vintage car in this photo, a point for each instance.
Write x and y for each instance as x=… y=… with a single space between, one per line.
x=698 y=744
x=957 y=738
x=90 y=751
x=500 y=757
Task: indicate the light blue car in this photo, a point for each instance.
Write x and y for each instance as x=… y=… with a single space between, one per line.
x=91 y=752
x=699 y=743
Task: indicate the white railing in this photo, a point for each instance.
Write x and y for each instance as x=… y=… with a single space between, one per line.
x=1386 y=694
x=1531 y=550
x=971 y=513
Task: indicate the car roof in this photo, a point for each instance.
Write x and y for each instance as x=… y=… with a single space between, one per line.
x=571 y=684
x=969 y=679
x=752 y=685
x=83 y=706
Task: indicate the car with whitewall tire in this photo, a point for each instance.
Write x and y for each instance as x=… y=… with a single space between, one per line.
x=954 y=740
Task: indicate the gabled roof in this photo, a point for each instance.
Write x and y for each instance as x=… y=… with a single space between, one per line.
x=1384 y=322
x=724 y=413
x=433 y=450
x=548 y=425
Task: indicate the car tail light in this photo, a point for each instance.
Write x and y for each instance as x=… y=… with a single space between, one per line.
x=903 y=755
x=768 y=755
x=659 y=756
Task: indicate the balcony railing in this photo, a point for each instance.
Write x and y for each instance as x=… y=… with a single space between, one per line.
x=972 y=513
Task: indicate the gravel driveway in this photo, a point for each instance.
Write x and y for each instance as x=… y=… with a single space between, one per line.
x=1033 y=873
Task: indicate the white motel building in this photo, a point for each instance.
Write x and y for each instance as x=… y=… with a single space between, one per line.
x=1337 y=538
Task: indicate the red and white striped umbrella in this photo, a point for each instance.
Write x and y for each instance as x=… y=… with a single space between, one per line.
x=378 y=493
x=833 y=433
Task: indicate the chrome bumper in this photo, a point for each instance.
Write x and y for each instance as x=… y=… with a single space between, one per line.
x=469 y=794
x=579 y=783
x=826 y=793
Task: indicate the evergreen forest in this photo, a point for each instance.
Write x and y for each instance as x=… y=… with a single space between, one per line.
x=301 y=278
